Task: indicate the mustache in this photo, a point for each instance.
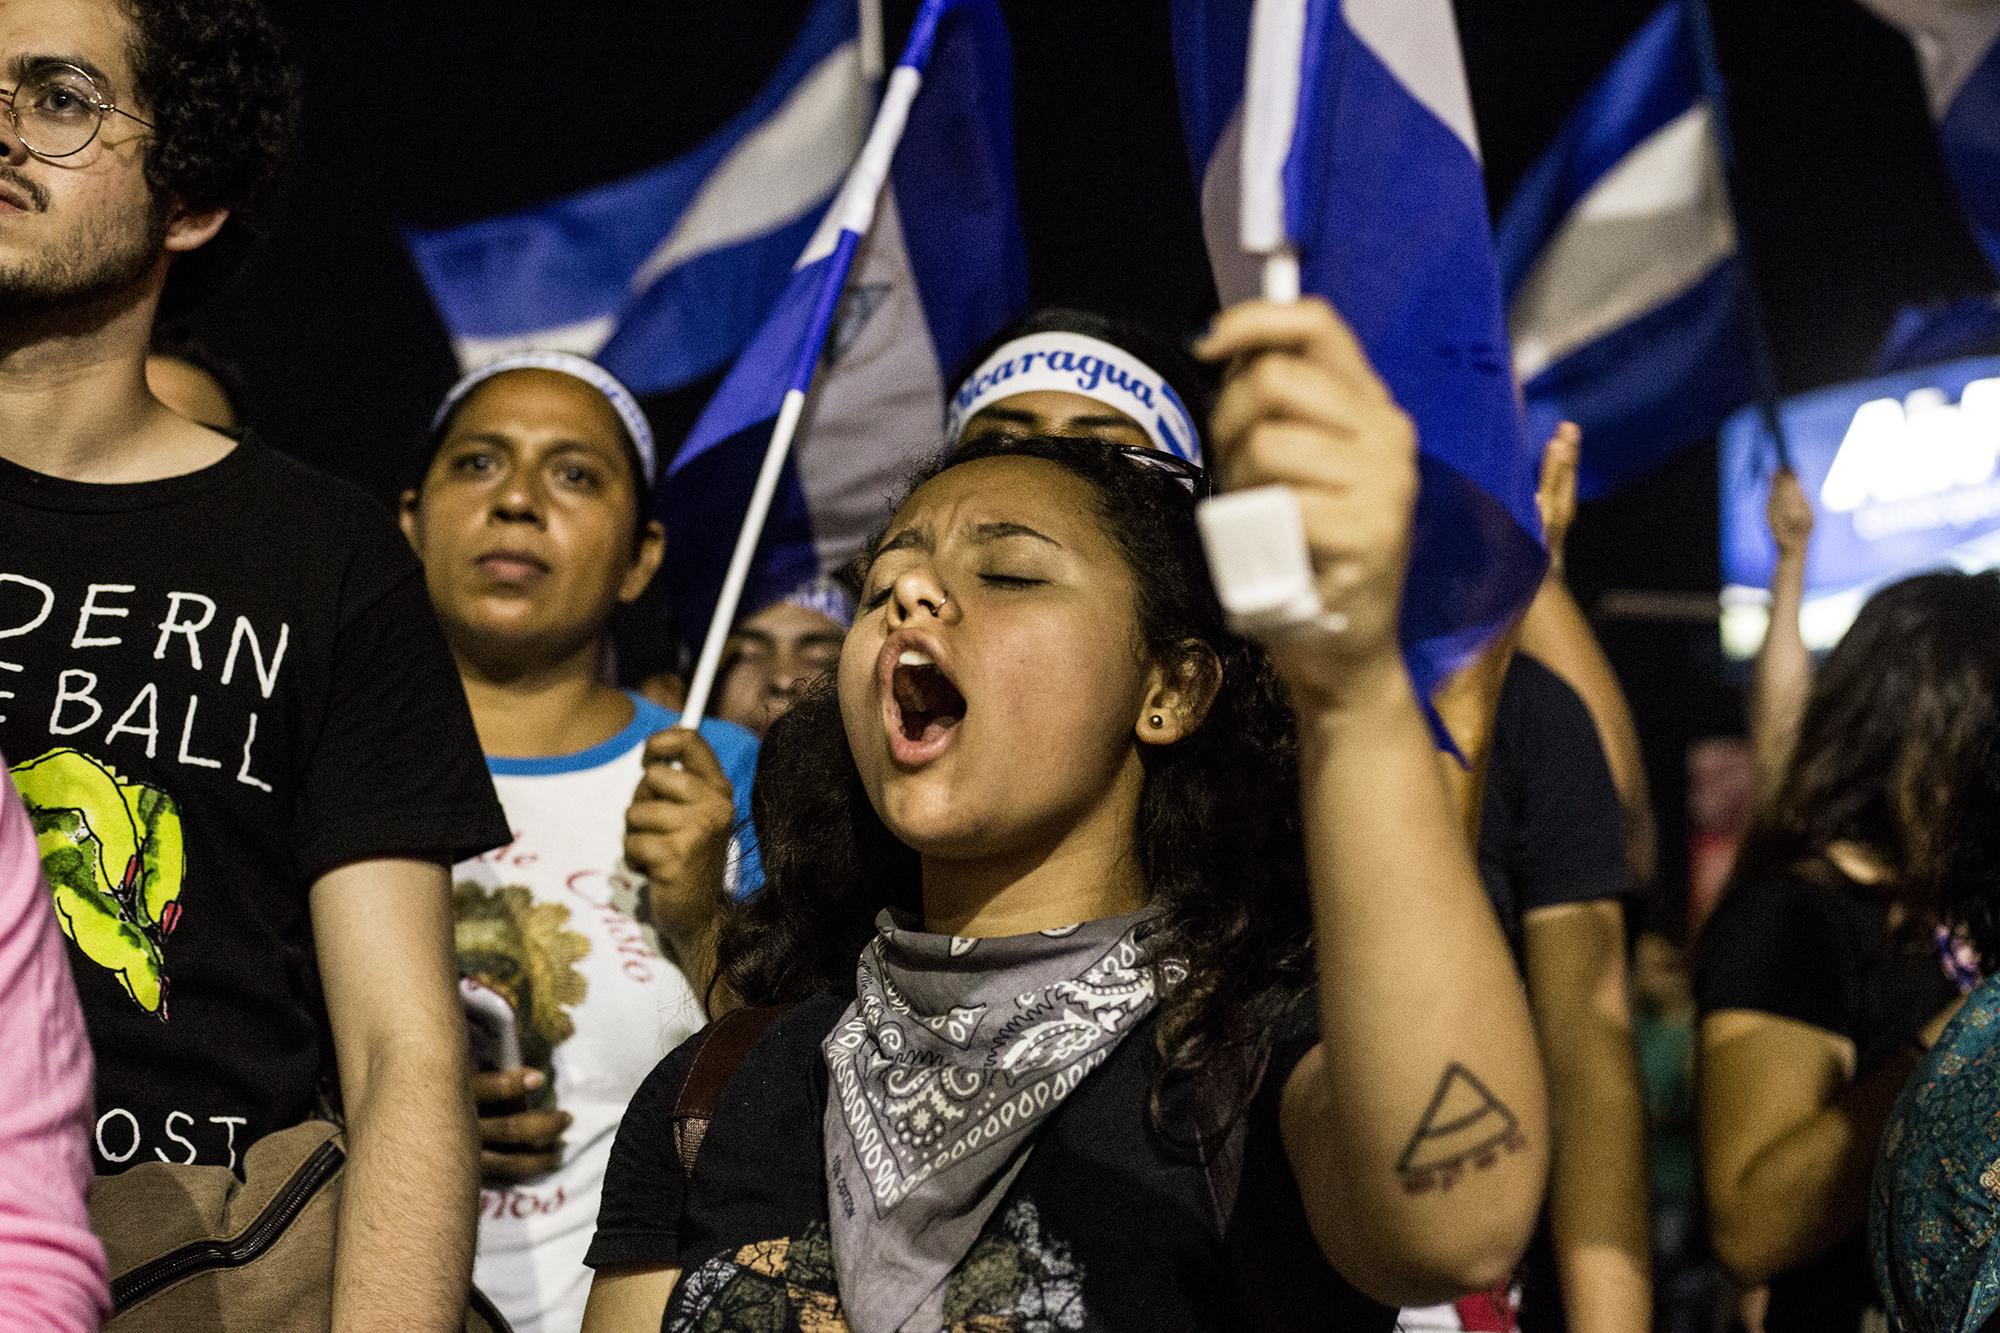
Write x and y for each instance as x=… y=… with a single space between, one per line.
x=36 y=194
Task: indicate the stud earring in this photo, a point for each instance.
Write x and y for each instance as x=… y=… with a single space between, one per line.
x=1157 y=720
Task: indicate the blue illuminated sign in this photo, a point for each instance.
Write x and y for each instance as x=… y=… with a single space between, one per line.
x=1903 y=473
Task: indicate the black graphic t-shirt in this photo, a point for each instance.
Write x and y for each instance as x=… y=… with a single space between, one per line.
x=213 y=690
x=1108 y=1226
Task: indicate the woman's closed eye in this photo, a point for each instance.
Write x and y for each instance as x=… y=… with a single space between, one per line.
x=995 y=578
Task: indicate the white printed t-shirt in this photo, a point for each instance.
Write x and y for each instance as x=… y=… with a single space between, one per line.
x=553 y=921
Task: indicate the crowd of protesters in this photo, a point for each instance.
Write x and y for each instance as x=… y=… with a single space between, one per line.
x=1018 y=948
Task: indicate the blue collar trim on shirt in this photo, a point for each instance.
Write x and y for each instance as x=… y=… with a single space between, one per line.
x=647 y=718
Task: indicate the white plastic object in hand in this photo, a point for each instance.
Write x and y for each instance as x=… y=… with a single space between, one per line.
x=1255 y=541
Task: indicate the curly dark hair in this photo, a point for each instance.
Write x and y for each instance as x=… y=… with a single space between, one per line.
x=223 y=96
x=1898 y=753
x=1218 y=836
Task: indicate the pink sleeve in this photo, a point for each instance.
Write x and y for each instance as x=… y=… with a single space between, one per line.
x=51 y=1266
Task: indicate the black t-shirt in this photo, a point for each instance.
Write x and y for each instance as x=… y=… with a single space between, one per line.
x=1551 y=831
x=214 y=689
x=1820 y=953
x=1107 y=1226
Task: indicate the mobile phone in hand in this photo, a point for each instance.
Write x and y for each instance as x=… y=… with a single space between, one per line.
x=493 y=1031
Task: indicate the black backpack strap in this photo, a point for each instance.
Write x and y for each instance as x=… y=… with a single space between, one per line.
x=719 y=1051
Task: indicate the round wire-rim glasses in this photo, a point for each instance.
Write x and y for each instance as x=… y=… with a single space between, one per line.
x=57 y=111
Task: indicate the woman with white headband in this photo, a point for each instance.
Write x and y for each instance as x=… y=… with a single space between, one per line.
x=533 y=523
x=1070 y=372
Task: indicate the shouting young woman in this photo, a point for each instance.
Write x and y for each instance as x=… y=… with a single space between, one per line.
x=1132 y=976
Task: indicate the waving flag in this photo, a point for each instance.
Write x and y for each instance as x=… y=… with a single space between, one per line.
x=1619 y=258
x=1958 y=49
x=918 y=261
x=1376 y=186
x=664 y=276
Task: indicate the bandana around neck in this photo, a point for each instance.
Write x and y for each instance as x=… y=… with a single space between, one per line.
x=953 y=1054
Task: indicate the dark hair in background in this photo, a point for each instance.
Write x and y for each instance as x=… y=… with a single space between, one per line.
x=1898 y=752
x=223 y=96
x=179 y=344
x=1219 y=837
x=1184 y=375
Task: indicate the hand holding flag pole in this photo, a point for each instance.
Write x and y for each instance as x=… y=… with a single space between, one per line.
x=848 y=220
x=1372 y=179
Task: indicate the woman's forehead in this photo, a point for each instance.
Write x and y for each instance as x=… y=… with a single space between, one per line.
x=541 y=401
x=1059 y=412
x=1030 y=491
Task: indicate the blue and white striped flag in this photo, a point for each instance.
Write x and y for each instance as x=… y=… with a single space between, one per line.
x=1619 y=258
x=664 y=276
x=1958 y=50
x=918 y=261
x=1356 y=150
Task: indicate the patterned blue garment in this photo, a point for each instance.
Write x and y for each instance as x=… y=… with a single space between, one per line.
x=1936 y=1204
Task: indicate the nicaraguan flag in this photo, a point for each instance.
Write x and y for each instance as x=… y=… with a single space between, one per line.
x=1619 y=260
x=919 y=260
x=1958 y=49
x=1381 y=196
x=664 y=276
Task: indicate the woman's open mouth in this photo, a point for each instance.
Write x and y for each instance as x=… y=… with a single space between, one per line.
x=922 y=706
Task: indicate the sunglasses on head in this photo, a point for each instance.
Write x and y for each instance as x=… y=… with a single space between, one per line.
x=1192 y=476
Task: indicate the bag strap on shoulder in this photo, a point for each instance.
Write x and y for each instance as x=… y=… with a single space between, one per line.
x=719 y=1051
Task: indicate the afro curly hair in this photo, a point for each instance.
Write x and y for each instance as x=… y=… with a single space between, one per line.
x=224 y=100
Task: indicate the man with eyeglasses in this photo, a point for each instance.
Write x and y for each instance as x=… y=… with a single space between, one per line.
x=239 y=734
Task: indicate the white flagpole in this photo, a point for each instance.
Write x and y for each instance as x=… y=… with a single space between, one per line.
x=1270 y=117
x=1255 y=540
x=853 y=211
x=719 y=624
x=1281 y=275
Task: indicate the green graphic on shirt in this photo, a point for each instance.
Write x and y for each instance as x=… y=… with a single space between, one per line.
x=115 y=863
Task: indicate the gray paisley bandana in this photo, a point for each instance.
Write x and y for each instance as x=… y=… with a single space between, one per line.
x=952 y=1055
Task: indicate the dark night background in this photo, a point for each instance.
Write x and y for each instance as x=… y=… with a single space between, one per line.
x=432 y=113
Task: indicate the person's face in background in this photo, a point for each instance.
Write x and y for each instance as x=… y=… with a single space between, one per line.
x=1054 y=412
x=770 y=658
x=190 y=391
x=525 y=523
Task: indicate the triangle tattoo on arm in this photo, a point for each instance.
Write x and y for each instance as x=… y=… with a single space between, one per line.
x=1465 y=1123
